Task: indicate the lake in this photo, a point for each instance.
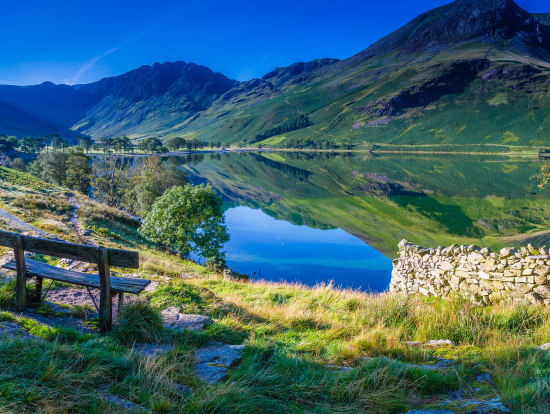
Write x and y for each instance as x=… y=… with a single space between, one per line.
x=315 y=217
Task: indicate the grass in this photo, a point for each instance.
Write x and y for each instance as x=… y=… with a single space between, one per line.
x=23 y=179
x=292 y=333
x=292 y=336
x=139 y=322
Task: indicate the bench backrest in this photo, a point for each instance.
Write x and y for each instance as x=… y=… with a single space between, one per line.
x=90 y=254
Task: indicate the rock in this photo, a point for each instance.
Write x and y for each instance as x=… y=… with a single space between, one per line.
x=439 y=365
x=122 y=403
x=532 y=250
x=10 y=330
x=184 y=389
x=86 y=232
x=152 y=287
x=151 y=350
x=440 y=342
x=214 y=360
x=176 y=320
x=544 y=347
x=337 y=368
x=507 y=252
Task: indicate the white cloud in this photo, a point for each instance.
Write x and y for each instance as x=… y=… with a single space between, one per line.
x=87 y=66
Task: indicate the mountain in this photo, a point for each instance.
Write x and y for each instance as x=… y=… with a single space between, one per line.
x=470 y=72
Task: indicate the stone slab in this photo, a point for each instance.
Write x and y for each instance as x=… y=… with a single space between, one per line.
x=175 y=320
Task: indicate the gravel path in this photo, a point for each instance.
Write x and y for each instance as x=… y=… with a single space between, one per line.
x=73 y=218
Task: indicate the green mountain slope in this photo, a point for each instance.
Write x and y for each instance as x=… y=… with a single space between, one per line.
x=473 y=71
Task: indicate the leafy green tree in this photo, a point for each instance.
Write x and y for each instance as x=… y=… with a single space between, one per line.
x=148 y=181
x=86 y=143
x=260 y=146
x=53 y=166
x=126 y=143
x=6 y=144
x=175 y=143
x=211 y=145
x=218 y=145
x=18 y=164
x=79 y=170
x=188 y=219
x=227 y=145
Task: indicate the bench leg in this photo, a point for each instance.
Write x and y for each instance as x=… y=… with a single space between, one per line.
x=120 y=302
x=21 y=282
x=105 y=295
x=38 y=289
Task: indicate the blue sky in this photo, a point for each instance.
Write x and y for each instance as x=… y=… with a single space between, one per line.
x=80 y=41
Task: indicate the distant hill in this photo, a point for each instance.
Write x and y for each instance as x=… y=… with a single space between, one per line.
x=473 y=71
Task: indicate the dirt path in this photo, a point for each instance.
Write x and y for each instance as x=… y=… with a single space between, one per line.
x=73 y=219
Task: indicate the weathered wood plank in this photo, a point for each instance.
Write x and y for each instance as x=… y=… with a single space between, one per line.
x=105 y=295
x=21 y=268
x=117 y=258
x=6 y=239
x=118 y=284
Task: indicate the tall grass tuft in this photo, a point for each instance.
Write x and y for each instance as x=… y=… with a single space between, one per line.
x=139 y=322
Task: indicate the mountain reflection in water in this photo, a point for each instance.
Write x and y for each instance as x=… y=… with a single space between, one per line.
x=339 y=216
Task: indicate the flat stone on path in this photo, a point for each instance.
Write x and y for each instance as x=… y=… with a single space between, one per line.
x=439 y=342
x=214 y=360
x=176 y=320
x=151 y=350
x=122 y=403
x=10 y=330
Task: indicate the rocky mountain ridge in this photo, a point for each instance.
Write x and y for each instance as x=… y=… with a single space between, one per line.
x=432 y=62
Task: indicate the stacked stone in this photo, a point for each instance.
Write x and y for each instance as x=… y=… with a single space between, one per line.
x=483 y=276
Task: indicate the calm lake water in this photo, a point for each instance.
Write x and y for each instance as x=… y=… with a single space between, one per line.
x=321 y=217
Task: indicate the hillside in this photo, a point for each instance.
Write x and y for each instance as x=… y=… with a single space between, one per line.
x=473 y=71
x=300 y=349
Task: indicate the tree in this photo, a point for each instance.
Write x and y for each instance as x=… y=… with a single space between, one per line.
x=188 y=219
x=211 y=145
x=18 y=164
x=188 y=145
x=86 y=143
x=260 y=146
x=175 y=143
x=109 y=182
x=53 y=166
x=27 y=144
x=79 y=171
x=148 y=182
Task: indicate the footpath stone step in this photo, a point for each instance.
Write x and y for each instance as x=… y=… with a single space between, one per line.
x=214 y=360
x=175 y=320
x=151 y=350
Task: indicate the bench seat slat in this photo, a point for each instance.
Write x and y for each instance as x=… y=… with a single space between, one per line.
x=118 y=284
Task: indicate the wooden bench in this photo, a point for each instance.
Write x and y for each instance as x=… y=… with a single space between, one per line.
x=104 y=257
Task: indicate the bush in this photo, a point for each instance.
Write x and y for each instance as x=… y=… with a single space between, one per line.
x=216 y=264
x=139 y=322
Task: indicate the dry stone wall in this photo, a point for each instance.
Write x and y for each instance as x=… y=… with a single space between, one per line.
x=482 y=275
